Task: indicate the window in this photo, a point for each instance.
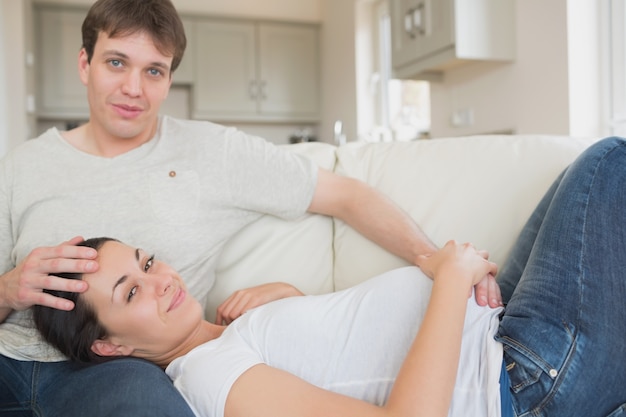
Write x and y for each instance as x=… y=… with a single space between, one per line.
x=615 y=17
x=403 y=105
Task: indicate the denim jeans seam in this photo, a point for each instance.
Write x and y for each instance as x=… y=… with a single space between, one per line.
x=33 y=390
x=514 y=344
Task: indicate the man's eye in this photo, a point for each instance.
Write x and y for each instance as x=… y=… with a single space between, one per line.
x=149 y=264
x=155 y=72
x=116 y=62
x=131 y=293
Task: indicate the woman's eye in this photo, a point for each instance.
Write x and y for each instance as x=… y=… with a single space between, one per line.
x=132 y=293
x=149 y=264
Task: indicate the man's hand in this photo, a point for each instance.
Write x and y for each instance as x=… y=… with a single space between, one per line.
x=243 y=300
x=486 y=291
x=24 y=286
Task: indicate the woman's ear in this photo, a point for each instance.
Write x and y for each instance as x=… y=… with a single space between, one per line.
x=105 y=348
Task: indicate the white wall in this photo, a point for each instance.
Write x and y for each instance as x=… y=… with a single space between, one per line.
x=585 y=69
x=552 y=87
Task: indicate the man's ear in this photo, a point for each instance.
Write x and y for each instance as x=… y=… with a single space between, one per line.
x=83 y=66
x=105 y=348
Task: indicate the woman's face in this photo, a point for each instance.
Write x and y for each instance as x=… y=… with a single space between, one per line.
x=142 y=302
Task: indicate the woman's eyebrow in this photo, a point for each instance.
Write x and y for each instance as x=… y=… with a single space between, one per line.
x=124 y=277
x=118 y=282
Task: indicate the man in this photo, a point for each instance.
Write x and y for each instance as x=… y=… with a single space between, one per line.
x=179 y=187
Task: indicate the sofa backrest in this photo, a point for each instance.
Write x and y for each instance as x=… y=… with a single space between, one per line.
x=479 y=189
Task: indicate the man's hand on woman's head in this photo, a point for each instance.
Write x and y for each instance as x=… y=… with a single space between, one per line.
x=24 y=286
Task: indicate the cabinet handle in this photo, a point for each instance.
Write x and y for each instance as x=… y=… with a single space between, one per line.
x=252 y=90
x=419 y=19
x=415 y=20
x=263 y=90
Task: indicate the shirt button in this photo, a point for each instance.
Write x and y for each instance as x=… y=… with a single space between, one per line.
x=172 y=174
x=553 y=373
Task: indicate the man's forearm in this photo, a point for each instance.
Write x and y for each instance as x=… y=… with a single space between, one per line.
x=382 y=221
x=372 y=214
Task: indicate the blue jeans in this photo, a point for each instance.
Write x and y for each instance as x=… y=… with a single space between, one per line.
x=564 y=327
x=123 y=387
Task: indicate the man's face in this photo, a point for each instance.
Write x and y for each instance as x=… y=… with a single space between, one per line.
x=127 y=80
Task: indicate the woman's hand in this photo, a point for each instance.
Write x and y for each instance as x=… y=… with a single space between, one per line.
x=461 y=261
x=243 y=300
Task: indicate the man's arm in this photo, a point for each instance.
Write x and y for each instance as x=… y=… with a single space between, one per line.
x=379 y=219
x=23 y=286
x=372 y=214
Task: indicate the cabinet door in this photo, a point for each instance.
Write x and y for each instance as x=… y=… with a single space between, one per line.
x=225 y=70
x=288 y=71
x=61 y=93
x=184 y=74
x=421 y=28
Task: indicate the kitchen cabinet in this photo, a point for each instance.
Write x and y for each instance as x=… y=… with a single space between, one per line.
x=244 y=71
x=256 y=71
x=431 y=36
x=61 y=94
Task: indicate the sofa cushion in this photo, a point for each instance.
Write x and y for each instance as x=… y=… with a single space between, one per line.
x=479 y=189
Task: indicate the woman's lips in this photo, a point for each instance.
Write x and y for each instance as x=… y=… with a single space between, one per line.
x=177 y=300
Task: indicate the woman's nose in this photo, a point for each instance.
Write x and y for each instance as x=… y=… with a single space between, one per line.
x=162 y=283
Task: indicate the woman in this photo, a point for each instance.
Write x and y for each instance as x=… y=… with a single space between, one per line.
x=138 y=306
x=560 y=338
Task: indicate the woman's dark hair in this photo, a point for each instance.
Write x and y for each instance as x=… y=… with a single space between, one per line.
x=72 y=332
x=157 y=18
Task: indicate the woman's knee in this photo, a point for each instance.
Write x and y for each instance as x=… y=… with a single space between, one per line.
x=605 y=147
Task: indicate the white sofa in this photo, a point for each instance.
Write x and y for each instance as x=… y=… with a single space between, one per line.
x=479 y=189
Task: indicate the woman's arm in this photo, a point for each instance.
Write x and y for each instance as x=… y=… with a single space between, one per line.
x=243 y=300
x=426 y=379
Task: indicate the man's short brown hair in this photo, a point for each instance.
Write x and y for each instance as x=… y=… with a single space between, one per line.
x=118 y=18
